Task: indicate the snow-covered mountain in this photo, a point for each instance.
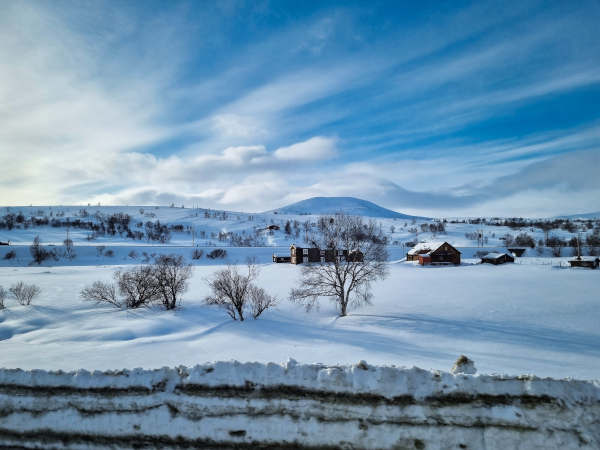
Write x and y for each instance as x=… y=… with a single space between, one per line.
x=347 y=205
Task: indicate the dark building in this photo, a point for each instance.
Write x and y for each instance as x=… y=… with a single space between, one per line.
x=589 y=263
x=281 y=259
x=497 y=258
x=518 y=252
x=434 y=253
x=299 y=255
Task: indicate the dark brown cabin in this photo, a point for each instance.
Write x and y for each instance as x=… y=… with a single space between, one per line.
x=518 y=252
x=497 y=258
x=299 y=255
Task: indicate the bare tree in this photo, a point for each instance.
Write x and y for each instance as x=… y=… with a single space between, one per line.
x=24 y=293
x=138 y=286
x=171 y=274
x=359 y=259
x=101 y=293
x=69 y=249
x=260 y=301
x=237 y=294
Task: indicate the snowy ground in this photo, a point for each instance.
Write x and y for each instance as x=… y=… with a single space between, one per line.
x=521 y=318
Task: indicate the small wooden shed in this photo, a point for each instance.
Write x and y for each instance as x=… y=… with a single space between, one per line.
x=581 y=262
x=282 y=259
x=497 y=258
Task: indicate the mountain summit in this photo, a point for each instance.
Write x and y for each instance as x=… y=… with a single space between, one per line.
x=346 y=205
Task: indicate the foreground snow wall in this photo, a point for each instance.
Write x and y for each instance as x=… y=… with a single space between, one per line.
x=251 y=405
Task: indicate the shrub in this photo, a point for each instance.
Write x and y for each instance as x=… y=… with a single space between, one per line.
x=197 y=253
x=109 y=253
x=39 y=253
x=525 y=240
x=133 y=254
x=237 y=293
x=260 y=301
x=217 y=253
x=24 y=293
x=508 y=239
x=162 y=282
x=2 y=297
x=101 y=293
x=10 y=255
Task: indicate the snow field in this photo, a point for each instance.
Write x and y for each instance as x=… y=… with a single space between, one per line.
x=514 y=319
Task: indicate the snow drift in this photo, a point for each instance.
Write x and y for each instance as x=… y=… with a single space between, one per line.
x=231 y=404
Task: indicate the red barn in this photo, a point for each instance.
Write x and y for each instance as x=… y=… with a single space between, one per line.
x=434 y=253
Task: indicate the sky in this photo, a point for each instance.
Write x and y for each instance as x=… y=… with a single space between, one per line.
x=431 y=108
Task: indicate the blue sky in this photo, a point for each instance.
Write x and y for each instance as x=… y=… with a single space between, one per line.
x=436 y=108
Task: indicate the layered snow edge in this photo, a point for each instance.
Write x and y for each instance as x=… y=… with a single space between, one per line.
x=361 y=378
x=235 y=404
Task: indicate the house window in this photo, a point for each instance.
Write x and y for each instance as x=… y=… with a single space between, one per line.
x=322 y=252
x=305 y=251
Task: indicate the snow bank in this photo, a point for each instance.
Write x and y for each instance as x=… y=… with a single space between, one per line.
x=278 y=406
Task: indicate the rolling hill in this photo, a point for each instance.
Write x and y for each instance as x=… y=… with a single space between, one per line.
x=346 y=205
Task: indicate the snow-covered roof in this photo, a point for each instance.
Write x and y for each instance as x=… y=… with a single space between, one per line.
x=495 y=255
x=425 y=247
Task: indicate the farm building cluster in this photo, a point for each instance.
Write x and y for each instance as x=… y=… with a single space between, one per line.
x=425 y=253
x=442 y=253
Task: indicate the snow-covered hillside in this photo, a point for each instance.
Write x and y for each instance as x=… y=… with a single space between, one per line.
x=176 y=226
